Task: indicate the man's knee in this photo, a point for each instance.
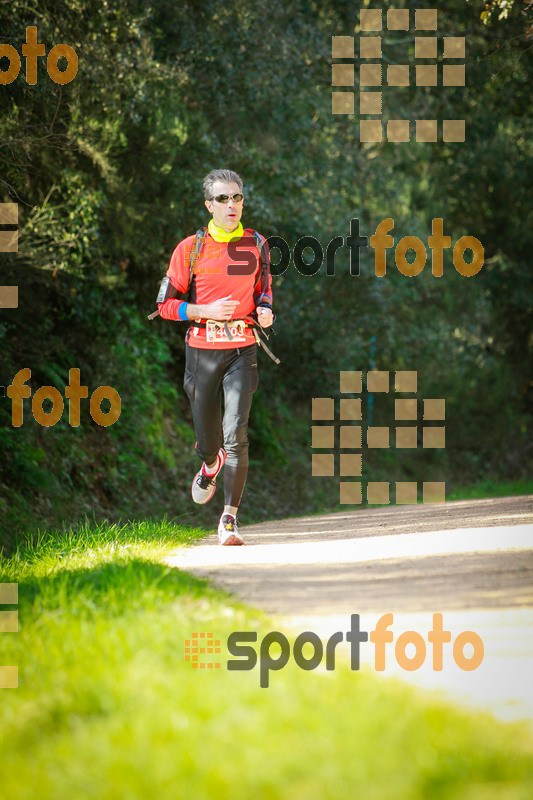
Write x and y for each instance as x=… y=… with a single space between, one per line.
x=208 y=453
x=237 y=452
x=236 y=442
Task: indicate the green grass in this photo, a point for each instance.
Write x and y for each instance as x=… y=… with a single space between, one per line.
x=107 y=707
x=492 y=489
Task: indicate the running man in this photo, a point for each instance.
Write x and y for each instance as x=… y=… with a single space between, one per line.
x=220 y=344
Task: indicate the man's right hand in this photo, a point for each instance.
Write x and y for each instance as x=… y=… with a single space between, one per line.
x=220 y=310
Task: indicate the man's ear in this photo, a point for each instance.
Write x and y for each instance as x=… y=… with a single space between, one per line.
x=209 y=206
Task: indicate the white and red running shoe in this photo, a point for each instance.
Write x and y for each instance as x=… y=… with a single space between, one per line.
x=205 y=482
x=228 y=532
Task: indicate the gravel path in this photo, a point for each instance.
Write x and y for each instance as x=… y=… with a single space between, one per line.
x=470 y=560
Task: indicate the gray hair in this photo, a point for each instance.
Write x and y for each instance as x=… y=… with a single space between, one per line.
x=223 y=175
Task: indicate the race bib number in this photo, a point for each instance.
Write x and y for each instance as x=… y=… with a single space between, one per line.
x=216 y=332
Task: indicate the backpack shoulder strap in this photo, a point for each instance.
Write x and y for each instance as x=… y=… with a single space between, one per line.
x=167 y=290
x=196 y=249
x=260 y=243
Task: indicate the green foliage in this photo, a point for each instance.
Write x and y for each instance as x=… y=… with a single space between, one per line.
x=107 y=174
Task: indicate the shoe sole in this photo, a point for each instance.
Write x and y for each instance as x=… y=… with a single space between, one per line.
x=231 y=540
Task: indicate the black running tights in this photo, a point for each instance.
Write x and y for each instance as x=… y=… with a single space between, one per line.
x=208 y=375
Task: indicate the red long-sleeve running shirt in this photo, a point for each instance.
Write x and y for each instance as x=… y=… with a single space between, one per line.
x=213 y=278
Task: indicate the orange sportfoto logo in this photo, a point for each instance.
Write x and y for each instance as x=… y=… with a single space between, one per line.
x=32 y=50
x=74 y=392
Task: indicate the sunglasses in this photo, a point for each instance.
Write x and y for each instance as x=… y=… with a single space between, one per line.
x=225 y=198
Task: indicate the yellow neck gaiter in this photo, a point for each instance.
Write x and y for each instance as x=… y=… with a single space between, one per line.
x=220 y=235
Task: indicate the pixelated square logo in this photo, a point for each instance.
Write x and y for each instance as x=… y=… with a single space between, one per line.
x=438 y=61
x=9 y=295
x=340 y=437
x=199 y=647
x=9 y=623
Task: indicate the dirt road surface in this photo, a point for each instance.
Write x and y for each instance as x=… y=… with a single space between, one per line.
x=470 y=560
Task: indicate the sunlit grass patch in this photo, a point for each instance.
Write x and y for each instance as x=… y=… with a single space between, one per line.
x=107 y=707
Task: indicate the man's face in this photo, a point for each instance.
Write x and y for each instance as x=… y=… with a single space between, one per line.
x=225 y=215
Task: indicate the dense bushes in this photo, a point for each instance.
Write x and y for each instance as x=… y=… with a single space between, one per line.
x=107 y=174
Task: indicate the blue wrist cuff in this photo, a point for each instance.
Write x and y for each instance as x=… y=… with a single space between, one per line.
x=182 y=313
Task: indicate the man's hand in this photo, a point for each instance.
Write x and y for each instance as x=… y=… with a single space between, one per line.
x=265 y=317
x=220 y=310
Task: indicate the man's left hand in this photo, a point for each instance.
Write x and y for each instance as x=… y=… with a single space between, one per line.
x=265 y=317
